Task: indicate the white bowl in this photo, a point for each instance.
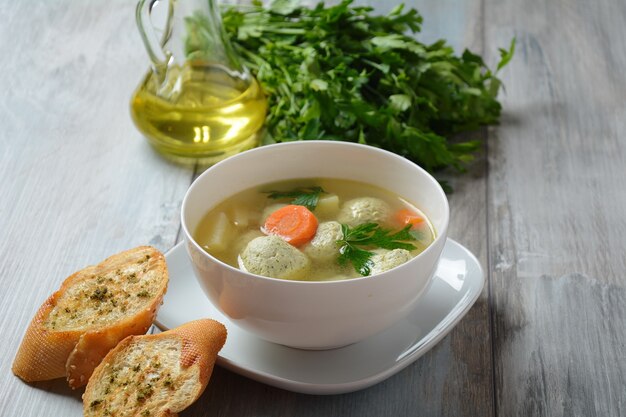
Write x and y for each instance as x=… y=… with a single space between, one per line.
x=310 y=314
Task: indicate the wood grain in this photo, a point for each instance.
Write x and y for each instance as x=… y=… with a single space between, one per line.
x=79 y=182
x=556 y=204
x=542 y=208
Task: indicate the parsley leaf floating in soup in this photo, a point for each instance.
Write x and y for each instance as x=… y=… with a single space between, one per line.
x=356 y=245
x=302 y=196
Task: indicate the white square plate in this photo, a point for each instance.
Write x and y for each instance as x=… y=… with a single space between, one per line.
x=457 y=284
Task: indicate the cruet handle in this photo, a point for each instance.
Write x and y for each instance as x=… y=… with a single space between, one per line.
x=150 y=39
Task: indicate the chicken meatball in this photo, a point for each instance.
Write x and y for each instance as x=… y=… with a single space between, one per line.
x=323 y=246
x=272 y=257
x=364 y=210
x=387 y=260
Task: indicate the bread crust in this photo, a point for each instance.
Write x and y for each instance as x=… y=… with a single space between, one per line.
x=46 y=354
x=43 y=354
x=201 y=341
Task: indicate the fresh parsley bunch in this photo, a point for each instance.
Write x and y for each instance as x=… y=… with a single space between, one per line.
x=342 y=73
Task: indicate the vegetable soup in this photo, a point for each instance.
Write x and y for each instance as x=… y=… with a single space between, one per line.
x=315 y=230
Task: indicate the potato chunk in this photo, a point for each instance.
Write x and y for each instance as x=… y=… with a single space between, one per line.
x=327 y=206
x=221 y=234
x=243 y=216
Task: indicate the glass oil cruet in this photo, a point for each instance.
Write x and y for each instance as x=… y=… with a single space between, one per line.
x=197 y=101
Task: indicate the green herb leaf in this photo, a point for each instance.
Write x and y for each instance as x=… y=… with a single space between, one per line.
x=506 y=55
x=360 y=259
x=284 y=7
x=400 y=102
x=303 y=196
x=356 y=240
x=318 y=85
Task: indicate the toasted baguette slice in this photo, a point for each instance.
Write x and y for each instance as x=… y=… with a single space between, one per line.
x=155 y=375
x=94 y=309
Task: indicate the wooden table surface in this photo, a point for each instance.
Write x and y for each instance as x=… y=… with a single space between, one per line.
x=543 y=208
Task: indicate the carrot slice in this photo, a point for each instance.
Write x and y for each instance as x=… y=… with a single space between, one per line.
x=295 y=224
x=406 y=216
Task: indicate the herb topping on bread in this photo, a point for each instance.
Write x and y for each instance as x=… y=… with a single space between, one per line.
x=94 y=309
x=155 y=375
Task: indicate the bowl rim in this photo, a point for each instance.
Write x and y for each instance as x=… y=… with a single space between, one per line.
x=441 y=234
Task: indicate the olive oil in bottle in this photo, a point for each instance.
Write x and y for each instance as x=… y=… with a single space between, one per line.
x=208 y=114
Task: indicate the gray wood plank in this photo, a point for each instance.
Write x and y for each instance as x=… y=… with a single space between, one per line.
x=556 y=209
x=79 y=182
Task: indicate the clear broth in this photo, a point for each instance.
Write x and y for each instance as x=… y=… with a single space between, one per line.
x=244 y=212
